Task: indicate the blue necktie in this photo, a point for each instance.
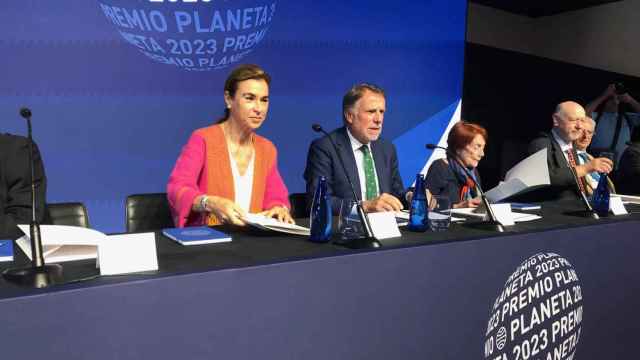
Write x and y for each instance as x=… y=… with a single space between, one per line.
x=585 y=159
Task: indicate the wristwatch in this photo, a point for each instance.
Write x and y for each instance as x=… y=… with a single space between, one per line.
x=203 y=203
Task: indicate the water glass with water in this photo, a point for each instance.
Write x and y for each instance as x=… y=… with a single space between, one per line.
x=439 y=216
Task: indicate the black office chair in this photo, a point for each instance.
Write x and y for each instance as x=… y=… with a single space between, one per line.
x=72 y=213
x=148 y=212
x=299 y=207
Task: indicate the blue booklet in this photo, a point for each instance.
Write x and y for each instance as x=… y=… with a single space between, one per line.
x=6 y=250
x=196 y=235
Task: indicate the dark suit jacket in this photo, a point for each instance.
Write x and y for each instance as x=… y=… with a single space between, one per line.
x=563 y=185
x=628 y=174
x=441 y=180
x=322 y=160
x=15 y=185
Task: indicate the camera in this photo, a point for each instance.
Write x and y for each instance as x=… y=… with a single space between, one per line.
x=620 y=88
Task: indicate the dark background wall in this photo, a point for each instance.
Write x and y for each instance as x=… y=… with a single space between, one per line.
x=514 y=94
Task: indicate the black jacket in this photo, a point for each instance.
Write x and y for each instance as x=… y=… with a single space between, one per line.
x=628 y=173
x=15 y=185
x=563 y=184
x=441 y=180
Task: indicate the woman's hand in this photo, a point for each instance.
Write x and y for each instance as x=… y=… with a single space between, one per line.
x=473 y=203
x=281 y=213
x=226 y=210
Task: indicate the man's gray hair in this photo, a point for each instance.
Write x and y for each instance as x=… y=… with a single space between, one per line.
x=590 y=120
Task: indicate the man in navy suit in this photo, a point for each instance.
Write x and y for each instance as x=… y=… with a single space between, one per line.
x=371 y=162
x=568 y=121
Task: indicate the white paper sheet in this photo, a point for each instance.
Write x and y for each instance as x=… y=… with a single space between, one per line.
x=62 y=243
x=628 y=199
x=529 y=173
x=128 y=253
x=517 y=216
x=384 y=225
x=267 y=223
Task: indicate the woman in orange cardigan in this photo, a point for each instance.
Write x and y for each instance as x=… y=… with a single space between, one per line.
x=226 y=170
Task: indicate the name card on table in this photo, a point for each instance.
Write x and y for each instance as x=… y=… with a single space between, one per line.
x=503 y=214
x=128 y=253
x=616 y=206
x=384 y=225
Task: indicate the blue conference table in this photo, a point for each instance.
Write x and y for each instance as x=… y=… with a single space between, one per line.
x=556 y=288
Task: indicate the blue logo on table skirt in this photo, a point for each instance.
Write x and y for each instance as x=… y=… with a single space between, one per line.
x=190 y=34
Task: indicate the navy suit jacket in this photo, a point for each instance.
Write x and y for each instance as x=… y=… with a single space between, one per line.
x=322 y=160
x=563 y=184
x=15 y=185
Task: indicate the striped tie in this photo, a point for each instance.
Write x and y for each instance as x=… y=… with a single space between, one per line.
x=572 y=162
x=369 y=174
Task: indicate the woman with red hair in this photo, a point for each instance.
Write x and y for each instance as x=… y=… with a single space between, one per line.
x=447 y=177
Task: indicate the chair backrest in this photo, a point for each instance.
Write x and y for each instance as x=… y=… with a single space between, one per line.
x=148 y=212
x=299 y=207
x=72 y=213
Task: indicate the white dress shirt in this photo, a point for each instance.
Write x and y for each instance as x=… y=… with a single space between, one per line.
x=357 y=153
x=564 y=146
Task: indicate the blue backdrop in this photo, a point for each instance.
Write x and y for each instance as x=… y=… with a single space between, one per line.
x=117 y=86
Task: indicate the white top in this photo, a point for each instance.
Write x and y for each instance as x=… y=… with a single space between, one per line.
x=355 y=147
x=564 y=146
x=243 y=185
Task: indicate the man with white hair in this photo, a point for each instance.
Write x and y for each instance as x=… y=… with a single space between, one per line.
x=581 y=144
x=561 y=154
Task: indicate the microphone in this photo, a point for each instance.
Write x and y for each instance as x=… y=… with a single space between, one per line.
x=25 y=112
x=39 y=274
x=370 y=239
x=493 y=223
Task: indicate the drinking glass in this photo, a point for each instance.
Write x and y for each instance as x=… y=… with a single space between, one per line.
x=349 y=225
x=439 y=216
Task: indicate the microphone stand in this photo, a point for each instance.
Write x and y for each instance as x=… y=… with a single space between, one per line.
x=492 y=224
x=369 y=239
x=39 y=274
x=588 y=212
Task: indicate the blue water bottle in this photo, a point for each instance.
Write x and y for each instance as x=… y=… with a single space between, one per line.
x=320 y=216
x=419 y=210
x=601 y=196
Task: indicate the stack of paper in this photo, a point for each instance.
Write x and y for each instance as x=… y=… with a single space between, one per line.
x=267 y=223
x=63 y=243
x=116 y=254
x=516 y=216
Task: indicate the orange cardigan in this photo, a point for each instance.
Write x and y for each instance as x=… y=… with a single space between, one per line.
x=207 y=170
